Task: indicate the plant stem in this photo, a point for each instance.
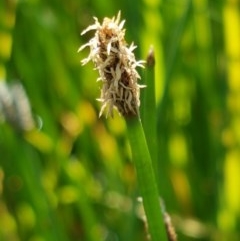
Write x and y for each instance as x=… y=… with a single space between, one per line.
x=149 y=118
x=146 y=179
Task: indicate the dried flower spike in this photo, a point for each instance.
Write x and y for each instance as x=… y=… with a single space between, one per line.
x=116 y=64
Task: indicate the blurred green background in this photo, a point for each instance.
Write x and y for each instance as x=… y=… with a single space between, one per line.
x=71 y=178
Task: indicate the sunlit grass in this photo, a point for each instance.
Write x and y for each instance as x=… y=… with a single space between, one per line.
x=72 y=177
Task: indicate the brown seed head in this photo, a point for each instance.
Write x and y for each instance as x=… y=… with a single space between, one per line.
x=116 y=65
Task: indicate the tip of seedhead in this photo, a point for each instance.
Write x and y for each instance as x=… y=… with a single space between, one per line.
x=151 y=57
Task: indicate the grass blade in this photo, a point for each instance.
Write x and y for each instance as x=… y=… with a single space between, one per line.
x=149 y=118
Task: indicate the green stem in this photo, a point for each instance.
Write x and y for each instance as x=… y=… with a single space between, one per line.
x=149 y=118
x=146 y=179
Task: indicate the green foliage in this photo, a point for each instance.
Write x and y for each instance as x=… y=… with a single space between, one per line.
x=72 y=178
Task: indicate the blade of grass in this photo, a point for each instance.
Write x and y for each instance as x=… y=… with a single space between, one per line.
x=172 y=55
x=146 y=179
x=27 y=167
x=149 y=118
